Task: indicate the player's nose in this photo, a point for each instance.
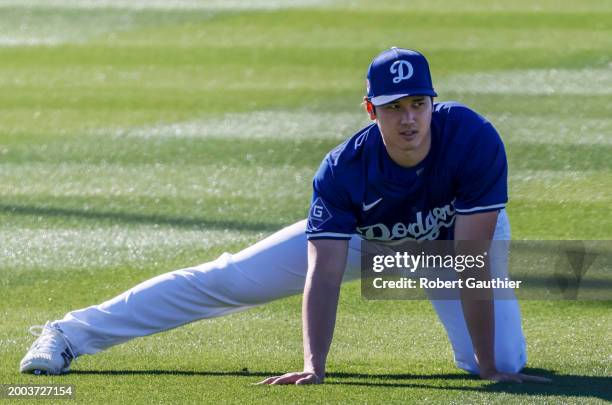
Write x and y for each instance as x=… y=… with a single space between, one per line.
x=408 y=117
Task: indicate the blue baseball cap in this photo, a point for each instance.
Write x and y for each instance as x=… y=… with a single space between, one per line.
x=397 y=73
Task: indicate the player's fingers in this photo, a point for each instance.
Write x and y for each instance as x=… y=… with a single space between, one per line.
x=534 y=378
x=268 y=380
x=289 y=378
x=309 y=379
x=272 y=380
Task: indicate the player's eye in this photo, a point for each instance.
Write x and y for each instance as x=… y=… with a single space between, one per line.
x=393 y=106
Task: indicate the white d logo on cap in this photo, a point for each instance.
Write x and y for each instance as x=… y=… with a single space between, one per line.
x=403 y=69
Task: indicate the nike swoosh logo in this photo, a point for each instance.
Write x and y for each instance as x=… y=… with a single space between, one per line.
x=367 y=207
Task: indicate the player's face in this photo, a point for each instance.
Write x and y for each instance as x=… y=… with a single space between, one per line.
x=405 y=125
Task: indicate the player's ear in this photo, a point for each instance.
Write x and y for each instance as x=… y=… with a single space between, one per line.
x=370 y=109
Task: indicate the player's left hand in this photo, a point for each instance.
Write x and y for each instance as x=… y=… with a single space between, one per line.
x=513 y=377
x=299 y=378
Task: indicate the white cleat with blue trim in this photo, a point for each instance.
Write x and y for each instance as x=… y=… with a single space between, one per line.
x=51 y=353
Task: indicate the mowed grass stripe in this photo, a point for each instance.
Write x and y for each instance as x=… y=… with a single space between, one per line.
x=161 y=5
x=480 y=6
x=273 y=124
x=133 y=151
x=428 y=5
x=587 y=81
x=112 y=24
x=559 y=218
x=151 y=180
x=567 y=186
x=69 y=249
x=534 y=129
x=550 y=107
x=380 y=25
x=240 y=214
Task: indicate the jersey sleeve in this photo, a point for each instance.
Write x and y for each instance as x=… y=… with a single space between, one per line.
x=330 y=215
x=483 y=175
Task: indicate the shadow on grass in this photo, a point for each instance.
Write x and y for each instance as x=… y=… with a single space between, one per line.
x=562 y=384
x=178 y=372
x=146 y=219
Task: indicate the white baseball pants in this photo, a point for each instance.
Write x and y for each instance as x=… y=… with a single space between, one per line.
x=271 y=269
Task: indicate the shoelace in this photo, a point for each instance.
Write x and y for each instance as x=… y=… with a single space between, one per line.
x=49 y=341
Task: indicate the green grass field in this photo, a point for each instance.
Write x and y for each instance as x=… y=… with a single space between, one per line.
x=141 y=137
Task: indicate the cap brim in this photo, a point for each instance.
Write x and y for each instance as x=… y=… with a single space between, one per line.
x=380 y=100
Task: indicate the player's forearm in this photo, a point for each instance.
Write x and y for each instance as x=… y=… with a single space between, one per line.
x=318 y=320
x=473 y=234
x=326 y=263
x=479 y=317
x=478 y=308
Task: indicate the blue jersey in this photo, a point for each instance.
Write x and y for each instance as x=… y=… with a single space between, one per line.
x=359 y=189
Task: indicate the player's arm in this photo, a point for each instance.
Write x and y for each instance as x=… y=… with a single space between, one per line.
x=477 y=230
x=478 y=304
x=326 y=263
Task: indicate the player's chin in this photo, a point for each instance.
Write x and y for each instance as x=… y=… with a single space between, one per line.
x=410 y=142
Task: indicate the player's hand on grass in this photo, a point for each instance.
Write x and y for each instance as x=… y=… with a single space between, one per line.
x=495 y=375
x=297 y=378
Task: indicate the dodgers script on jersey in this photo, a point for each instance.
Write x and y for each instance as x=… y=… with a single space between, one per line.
x=359 y=189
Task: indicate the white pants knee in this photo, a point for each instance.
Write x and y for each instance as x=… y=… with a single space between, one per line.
x=271 y=269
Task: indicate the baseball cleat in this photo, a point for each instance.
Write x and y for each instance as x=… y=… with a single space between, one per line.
x=51 y=352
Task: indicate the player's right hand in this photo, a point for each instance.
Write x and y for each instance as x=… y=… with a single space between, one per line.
x=297 y=378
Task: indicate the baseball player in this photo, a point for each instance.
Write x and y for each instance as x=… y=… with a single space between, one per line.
x=421 y=171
